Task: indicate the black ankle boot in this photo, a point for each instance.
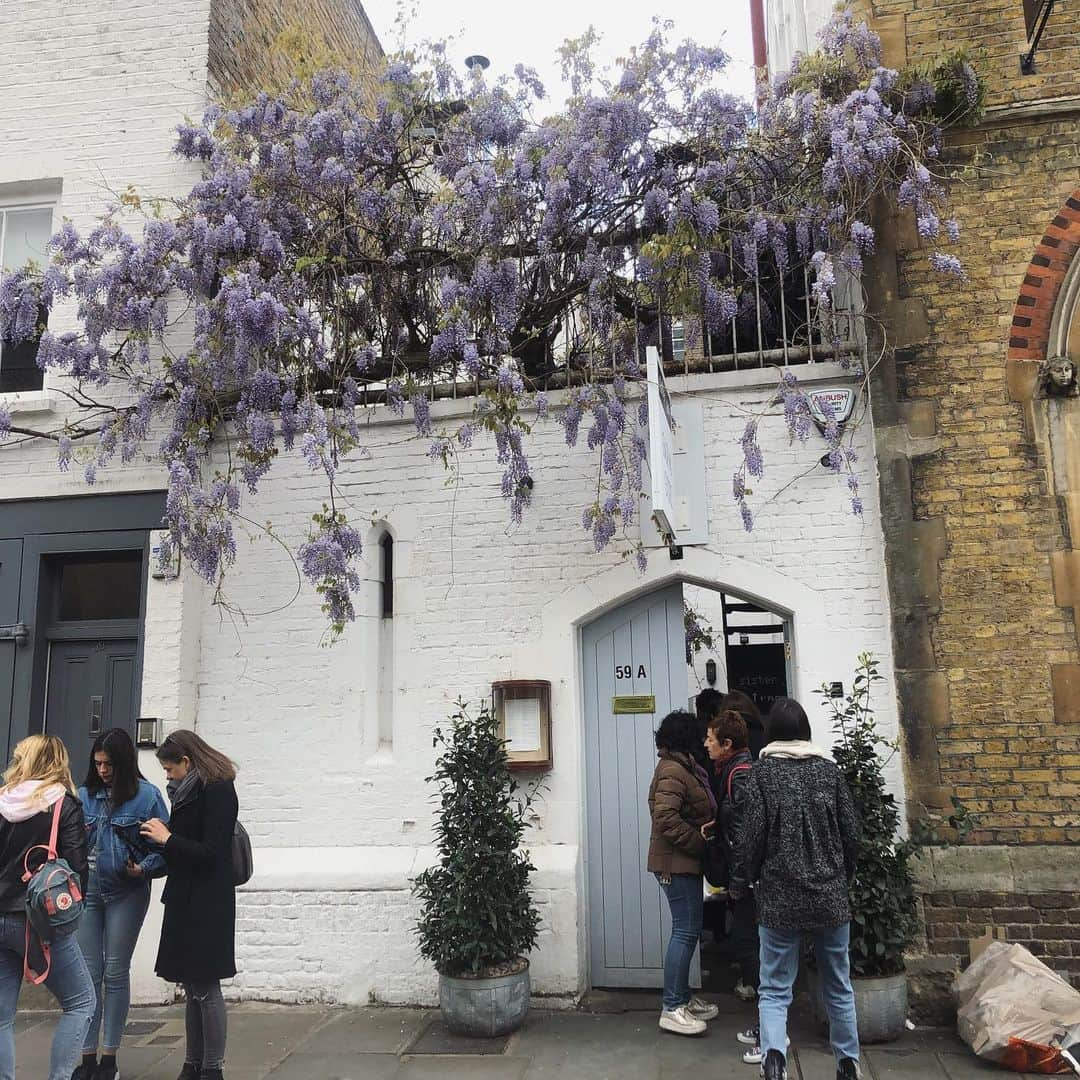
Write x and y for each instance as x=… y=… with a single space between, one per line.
x=190 y=1072
x=848 y=1069
x=211 y=1074
x=774 y=1067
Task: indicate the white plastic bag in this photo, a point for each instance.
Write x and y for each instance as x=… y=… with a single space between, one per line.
x=1016 y=1011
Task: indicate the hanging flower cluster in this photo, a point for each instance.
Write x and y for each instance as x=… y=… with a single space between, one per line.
x=346 y=249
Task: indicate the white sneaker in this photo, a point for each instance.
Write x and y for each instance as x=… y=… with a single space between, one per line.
x=700 y=1009
x=749 y=1037
x=745 y=992
x=680 y=1022
x=753 y=1056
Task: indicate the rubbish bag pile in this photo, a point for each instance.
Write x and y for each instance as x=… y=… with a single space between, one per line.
x=1017 y=1012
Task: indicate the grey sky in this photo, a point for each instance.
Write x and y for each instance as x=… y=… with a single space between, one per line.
x=529 y=33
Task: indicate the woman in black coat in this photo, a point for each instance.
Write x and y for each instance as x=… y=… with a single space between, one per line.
x=199 y=929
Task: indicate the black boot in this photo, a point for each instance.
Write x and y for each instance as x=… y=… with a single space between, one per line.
x=848 y=1069
x=86 y=1069
x=211 y=1074
x=190 y=1072
x=774 y=1067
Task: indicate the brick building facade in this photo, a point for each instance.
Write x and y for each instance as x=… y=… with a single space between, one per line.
x=978 y=502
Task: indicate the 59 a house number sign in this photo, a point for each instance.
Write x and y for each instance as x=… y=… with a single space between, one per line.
x=626 y=671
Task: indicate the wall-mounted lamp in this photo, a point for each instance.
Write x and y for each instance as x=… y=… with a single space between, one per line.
x=523 y=709
x=147 y=732
x=710 y=672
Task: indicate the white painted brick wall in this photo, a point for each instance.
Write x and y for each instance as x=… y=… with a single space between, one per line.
x=291 y=710
x=90 y=95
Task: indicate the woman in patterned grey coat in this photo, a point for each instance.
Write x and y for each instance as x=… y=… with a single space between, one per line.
x=799 y=835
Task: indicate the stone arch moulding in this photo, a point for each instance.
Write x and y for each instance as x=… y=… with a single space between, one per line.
x=1034 y=322
x=1042 y=318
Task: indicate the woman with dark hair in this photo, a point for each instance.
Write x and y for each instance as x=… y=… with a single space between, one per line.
x=199 y=930
x=744 y=705
x=799 y=840
x=725 y=743
x=116 y=800
x=680 y=802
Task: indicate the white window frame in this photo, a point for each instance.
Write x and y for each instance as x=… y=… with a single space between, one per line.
x=31 y=400
x=678 y=339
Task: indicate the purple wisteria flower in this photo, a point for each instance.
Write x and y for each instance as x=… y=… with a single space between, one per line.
x=337 y=255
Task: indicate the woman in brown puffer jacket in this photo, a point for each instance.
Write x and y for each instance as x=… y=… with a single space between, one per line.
x=680 y=802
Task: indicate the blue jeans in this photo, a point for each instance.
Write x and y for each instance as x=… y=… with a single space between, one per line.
x=107 y=934
x=685 y=896
x=780 y=965
x=68 y=981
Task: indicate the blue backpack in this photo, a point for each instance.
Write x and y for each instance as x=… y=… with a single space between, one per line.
x=54 y=899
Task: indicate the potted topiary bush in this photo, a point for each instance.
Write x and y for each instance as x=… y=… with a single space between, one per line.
x=884 y=920
x=478 y=922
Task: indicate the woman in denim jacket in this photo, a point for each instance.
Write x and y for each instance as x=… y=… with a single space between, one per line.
x=116 y=800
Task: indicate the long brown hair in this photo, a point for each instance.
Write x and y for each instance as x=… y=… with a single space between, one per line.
x=40 y=757
x=209 y=763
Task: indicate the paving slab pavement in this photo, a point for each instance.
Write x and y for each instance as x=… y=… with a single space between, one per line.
x=620 y=1040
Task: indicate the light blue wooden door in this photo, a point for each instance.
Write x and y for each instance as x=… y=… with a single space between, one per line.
x=638 y=649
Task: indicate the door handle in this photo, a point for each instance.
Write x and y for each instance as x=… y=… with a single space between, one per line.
x=96 y=702
x=17 y=632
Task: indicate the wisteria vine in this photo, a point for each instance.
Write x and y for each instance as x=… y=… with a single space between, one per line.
x=345 y=251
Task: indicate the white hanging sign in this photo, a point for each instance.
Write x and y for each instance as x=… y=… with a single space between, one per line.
x=661 y=446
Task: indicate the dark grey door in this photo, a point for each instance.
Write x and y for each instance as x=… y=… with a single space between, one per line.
x=92 y=687
x=10 y=573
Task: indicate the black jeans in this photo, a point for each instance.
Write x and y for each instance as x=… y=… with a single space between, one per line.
x=744 y=939
x=206 y=1024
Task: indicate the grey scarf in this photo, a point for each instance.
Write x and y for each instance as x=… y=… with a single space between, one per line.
x=181 y=792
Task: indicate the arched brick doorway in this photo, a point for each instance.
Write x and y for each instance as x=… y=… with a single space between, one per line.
x=1033 y=314
x=1045 y=313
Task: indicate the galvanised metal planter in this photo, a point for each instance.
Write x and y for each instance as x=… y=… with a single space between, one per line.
x=488 y=1006
x=881 y=1005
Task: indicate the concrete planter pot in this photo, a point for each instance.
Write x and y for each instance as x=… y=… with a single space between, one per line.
x=488 y=1006
x=881 y=1006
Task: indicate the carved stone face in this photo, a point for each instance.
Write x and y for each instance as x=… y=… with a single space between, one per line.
x=1061 y=372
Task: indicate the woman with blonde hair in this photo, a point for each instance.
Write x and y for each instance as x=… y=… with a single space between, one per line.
x=38 y=778
x=199 y=930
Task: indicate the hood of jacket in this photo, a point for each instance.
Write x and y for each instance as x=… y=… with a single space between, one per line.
x=19 y=802
x=795 y=750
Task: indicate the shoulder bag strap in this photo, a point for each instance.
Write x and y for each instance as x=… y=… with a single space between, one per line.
x=731 y=776
x=55 y=831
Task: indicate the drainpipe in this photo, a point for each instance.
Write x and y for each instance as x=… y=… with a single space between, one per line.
x=757 y=36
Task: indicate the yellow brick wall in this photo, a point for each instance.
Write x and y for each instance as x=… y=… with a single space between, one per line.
x=1001 y=750
x=244 y=56
x=994 y=32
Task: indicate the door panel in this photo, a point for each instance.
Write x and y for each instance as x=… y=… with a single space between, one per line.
x=10 y=574
x=91 y=687
x=638 y=649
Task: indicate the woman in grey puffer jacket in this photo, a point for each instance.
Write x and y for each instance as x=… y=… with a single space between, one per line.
x=799 y=835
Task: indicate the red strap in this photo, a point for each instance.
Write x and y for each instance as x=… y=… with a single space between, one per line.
x=55 y=832
x=745 y=767
x=28 y=972
x=50 y=851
